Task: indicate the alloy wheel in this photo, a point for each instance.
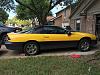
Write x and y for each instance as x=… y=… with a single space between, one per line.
x=31 y=48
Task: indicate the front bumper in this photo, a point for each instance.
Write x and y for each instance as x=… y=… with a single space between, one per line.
x=93 y=42
x=14 y=45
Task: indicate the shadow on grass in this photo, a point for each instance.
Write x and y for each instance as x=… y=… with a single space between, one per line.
x=2 y=52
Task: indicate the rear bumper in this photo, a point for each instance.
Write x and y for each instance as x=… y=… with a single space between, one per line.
x=14 y=45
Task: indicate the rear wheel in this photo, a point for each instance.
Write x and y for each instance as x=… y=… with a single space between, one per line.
x=84 y=45
x=31 y=48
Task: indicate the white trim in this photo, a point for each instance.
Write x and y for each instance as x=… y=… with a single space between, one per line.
x=77 y=21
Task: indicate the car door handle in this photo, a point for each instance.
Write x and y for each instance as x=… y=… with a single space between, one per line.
x=46 y=37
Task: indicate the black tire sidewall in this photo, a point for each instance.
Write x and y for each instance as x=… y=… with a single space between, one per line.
x=81 y=41
x=26 y=53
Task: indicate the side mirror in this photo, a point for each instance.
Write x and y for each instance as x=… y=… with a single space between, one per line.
x=69 y=33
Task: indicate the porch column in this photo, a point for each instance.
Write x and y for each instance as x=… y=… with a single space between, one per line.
x=90 y=24
x=83 y=23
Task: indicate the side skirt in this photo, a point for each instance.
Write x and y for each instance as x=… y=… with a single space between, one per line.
x=57 y=44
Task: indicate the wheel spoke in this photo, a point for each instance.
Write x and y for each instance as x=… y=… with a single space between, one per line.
x=85 y=46
x=31 y=48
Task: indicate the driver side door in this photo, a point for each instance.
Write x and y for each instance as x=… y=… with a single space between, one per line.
x=58 y=38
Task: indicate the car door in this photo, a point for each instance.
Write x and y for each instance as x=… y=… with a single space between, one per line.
x=57 y=37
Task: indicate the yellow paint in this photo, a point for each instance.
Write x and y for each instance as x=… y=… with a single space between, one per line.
x=49 y=37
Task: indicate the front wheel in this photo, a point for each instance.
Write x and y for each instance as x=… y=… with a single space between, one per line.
x=31 y=48
x=84 y=45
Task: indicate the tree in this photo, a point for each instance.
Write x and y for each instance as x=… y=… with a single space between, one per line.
x=18 y=22
x=7 y=4
x=41 y=8
x=24 y=13
x=38 y=7
x=3 y=15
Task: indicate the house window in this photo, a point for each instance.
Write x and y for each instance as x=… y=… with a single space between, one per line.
x=77 y=25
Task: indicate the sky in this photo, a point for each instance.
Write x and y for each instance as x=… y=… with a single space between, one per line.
x=54 y=10
x=11 y=14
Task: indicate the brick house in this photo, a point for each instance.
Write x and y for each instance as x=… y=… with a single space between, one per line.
x=62 y=17
x=86 y=17
x=50 y=20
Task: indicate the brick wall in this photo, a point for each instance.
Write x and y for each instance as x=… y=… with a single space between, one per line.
x=64 y=17
x=58 y=21
x=72 y=24
x=90 y=24
x=83 y=24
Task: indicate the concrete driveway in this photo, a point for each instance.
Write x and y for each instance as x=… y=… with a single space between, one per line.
x=59 y=52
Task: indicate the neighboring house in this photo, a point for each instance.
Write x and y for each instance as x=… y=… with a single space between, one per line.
x=62 y=17
x=86 y=17
x=50 y=20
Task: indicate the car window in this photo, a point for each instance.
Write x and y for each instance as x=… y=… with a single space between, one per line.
x=54 y=30
x=29 y=30
x=49 y=30
x=39 y=30
x=60 y=30
x=45 y=30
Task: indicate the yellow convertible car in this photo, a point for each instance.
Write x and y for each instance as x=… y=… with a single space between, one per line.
x=49 y=37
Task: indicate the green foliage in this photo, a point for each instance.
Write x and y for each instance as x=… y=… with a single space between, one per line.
x=61 y=65
x=33 y=8
x=50 y=14
x=18 y=22
x=3 y=15
x=24 y=13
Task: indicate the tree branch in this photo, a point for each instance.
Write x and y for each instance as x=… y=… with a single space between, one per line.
x=33 y=5
x=24 y=5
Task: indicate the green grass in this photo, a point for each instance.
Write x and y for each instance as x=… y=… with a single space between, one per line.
x=62 y=65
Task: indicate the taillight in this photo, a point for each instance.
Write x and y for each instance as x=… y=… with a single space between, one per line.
x=7 y=38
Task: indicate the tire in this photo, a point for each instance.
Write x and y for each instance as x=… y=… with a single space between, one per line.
x=84 y=45
x=31 y=48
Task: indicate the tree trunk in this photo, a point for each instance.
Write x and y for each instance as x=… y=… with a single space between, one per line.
x=43 y=20
x=33 y=23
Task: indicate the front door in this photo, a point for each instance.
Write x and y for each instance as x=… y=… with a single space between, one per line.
x=57 y=38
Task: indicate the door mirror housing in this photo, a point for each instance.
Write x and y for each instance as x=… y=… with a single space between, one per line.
x=69 y=33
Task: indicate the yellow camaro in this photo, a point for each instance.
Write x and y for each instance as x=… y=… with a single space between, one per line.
x=49 y=37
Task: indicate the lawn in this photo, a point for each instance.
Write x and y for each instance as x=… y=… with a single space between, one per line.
x=54 y=65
